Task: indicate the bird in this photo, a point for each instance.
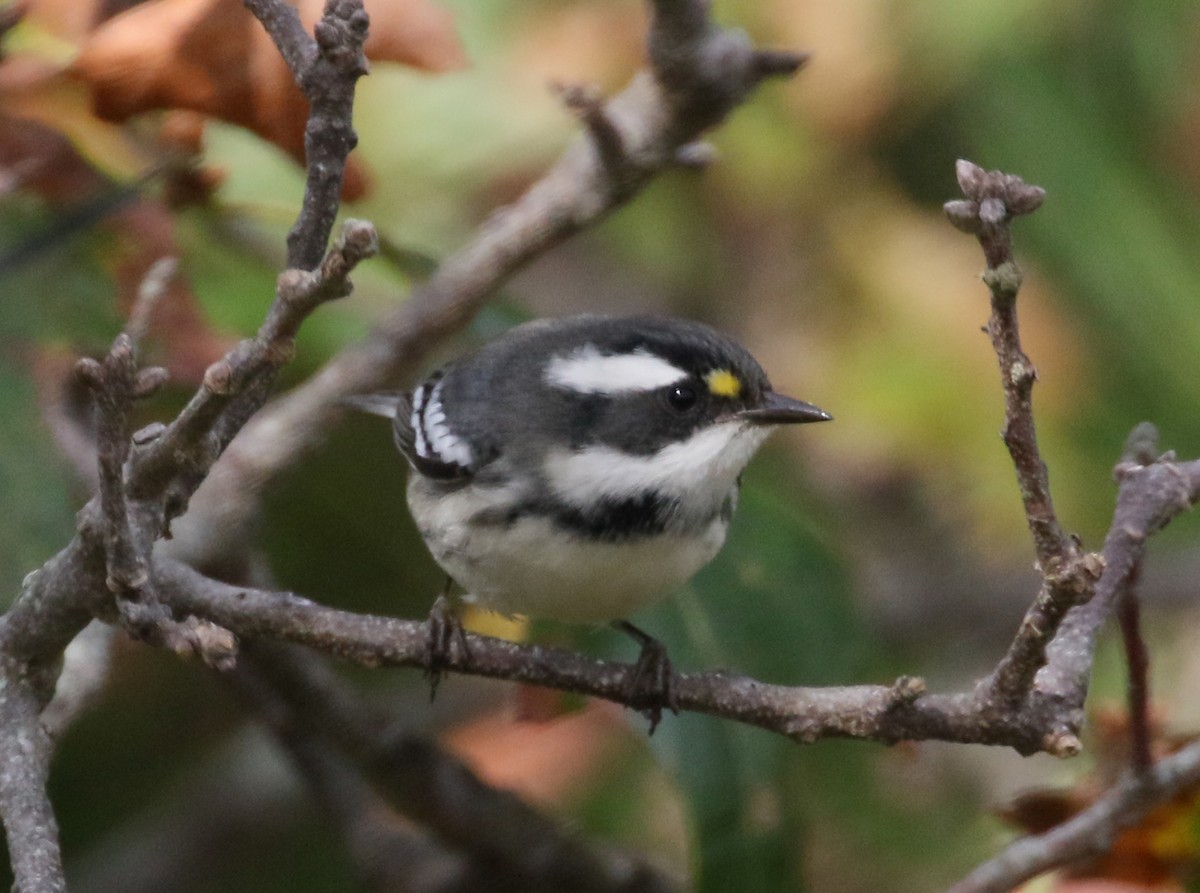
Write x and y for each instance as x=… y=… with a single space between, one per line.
x=581 y=468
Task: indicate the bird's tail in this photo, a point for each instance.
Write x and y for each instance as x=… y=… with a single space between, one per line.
x=386 y=405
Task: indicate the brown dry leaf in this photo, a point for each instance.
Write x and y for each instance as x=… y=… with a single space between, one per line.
x=38 y=157
x=40 y=112
x=38 y=90
x=212 y=57
x=1152 y=856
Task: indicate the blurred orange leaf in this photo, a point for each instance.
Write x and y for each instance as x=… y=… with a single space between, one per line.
x=540 y=761
x=212 y=57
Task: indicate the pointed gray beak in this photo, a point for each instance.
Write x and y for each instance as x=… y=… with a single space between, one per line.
x=777 y=409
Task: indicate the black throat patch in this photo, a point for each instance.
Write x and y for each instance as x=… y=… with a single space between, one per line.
x=609 y=520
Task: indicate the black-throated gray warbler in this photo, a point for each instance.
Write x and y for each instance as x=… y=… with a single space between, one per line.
x=581 y=468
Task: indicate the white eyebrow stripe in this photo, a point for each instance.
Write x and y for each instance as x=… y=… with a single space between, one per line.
x=589 y=371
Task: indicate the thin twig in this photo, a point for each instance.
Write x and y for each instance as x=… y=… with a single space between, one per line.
x=151 y=290
x=112 y=385
x=325 y=68
x=1137 y=659
x=186 y=441
x=115 y=384
x=991 y=200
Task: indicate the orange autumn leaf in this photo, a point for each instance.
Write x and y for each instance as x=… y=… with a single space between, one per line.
x=544 y=761
x=212 y=57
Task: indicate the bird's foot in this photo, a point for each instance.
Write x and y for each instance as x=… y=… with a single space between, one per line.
x=444 y=627
x=652 y=685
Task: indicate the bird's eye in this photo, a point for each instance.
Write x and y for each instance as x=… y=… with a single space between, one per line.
x=682 y=397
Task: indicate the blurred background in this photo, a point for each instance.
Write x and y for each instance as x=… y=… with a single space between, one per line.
x=889 y=542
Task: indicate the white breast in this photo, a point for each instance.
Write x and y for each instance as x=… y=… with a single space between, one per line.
x=531 y=567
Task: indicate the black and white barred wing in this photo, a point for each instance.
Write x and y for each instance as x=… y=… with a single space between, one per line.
x=420 y=430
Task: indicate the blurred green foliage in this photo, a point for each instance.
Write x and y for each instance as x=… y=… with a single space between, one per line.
x=817 y=237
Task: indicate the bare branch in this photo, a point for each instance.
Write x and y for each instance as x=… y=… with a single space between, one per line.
x=115 y=383
x=112 y=385
x=1092 y=831
x=25 y=749
x=326 y=69
x=991 y=200
x=1149 y=496
x=588 y=104
x=243 y=374
x=147 y=479
x=168 y=463
x=893 y=713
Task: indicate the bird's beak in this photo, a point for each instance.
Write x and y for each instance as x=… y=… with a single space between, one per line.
x=777 y=409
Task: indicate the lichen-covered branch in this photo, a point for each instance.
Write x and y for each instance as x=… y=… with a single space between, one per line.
x=25 y=808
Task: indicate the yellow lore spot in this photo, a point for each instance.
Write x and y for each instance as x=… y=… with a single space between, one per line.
x=723 y=383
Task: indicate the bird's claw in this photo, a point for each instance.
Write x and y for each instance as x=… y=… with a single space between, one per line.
x=444 y=628
x=652 y=684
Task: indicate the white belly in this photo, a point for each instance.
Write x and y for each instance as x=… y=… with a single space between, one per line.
x=530 y=567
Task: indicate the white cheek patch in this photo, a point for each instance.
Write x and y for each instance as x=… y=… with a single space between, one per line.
x=697 y=471
x=433 y=437
x=589 y=371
